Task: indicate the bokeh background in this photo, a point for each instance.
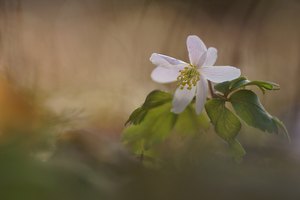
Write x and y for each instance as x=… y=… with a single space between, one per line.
x=89 y=59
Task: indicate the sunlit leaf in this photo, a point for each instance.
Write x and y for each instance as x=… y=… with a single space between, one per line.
x=154 y=99
x=189 y=123
x=153 y=122
x=137 y=116
x=156 y=126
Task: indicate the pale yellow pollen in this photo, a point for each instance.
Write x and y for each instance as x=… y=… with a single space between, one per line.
x=189 y=76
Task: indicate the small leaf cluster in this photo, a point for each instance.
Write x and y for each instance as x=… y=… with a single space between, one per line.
x=232 y=102
x=152 y=123
x=247 y=108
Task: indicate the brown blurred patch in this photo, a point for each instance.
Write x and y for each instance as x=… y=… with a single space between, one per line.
x=16 y=110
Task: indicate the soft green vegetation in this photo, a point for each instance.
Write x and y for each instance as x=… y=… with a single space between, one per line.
x=86 y=167
x=153 y=122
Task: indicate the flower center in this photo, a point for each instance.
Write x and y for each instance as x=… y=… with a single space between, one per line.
x=188 y=76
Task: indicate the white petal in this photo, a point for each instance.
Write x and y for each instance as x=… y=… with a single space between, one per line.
x=201 y=94
x=164 y=75
x=211 y=57
x=202 y=59
x=220 y=74
x=182 y=98
x=166 y=61
x=196 y=48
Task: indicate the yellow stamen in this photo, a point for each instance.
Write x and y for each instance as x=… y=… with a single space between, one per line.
x=188 y=76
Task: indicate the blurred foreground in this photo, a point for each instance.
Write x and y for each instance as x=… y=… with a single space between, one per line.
x=44 y=156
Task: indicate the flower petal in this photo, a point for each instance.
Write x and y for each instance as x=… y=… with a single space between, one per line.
x=182 y=98
x=202 y=59
x=220 y=74
x=164 y=75
x=166 y=61
x=201 y=94
x=211 y=57
x=196 y=48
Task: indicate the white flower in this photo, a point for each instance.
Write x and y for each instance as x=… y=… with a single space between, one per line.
x=191 y=77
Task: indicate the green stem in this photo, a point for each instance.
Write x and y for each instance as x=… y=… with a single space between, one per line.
x=211 y=90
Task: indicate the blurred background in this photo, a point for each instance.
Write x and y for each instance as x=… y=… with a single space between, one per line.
x=75 y=69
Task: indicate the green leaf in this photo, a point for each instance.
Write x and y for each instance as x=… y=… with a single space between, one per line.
x=262 y=85
x=226 y=124
x=156 y=126
x=225 y=87
x=281 y=128
x=189 y=123
x=137 y=116
x=241 y=82
x=248 y=107
x=236 y=150
x=153 y=122
x=154 y=99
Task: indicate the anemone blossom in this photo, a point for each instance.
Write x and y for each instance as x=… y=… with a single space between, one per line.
x=191 y=77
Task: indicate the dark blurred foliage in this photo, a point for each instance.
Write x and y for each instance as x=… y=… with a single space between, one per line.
x=86 y=166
